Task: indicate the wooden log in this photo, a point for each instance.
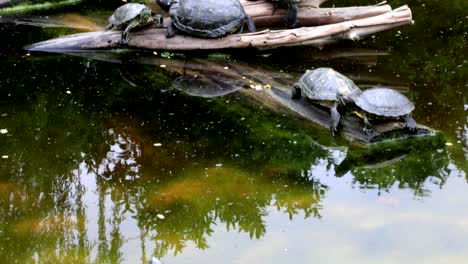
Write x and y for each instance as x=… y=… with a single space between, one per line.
x=155 y=38
x=309 y=14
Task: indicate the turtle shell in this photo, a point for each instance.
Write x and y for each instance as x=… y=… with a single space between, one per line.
x=384 y=102
x=207 y=18
x=125 y=13
x=324 y=84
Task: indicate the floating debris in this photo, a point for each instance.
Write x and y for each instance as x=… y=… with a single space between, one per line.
x=5 y=156
x=3 y=131
x=160 y=216
x=157 y=144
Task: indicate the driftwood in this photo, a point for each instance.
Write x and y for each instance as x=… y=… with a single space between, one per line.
x=309 y=13
x=270 y=90
x=155 y=38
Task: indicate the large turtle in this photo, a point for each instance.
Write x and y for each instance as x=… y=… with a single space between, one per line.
x=328 y=88
x=206 y=18
x=291 y=16
x=384 y=103
x=132 y=15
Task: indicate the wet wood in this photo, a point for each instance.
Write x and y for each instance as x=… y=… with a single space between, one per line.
x=155 y=38
x=309 y=13
x=351 y=128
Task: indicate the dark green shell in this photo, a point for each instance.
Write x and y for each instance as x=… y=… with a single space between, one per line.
x=207 y=18
x=324 y=84
x=126 y=13
x=384 y=102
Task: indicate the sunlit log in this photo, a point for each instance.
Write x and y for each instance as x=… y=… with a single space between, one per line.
x=153 y=38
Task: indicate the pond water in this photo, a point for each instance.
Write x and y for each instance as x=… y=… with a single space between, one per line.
x=103 y=162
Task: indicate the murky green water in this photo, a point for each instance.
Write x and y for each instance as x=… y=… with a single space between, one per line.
x=101 y=162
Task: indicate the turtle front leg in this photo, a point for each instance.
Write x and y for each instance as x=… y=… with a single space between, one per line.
x=158 y=21
x=131 y=25
x=367 y=125
x=335 y=119
x=410 y=123
x=170 y=30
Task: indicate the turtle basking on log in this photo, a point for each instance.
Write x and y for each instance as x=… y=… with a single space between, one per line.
x=383 y=104
x=324 y=87
x=132 y=15
x=207 y=18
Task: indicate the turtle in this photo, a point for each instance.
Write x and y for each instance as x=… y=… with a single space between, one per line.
x=380 y=103
x=206 y=18
x=327 y=88
x=291 y=16
x=132 y=15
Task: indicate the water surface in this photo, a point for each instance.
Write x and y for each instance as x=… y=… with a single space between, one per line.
x=103 y=162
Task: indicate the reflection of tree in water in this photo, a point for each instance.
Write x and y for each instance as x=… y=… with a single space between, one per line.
x=218 y=163
x=192 y=199
x=41 y=200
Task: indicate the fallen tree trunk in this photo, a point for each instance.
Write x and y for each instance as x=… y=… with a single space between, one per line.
x=155 y=38
x=309 y=13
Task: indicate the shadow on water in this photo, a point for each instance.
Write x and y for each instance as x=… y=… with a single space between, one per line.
x=103 y=162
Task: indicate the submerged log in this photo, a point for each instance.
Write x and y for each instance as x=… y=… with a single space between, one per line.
x=351 y=127
x=270 y=90
x=155 y=38
x=28 y=8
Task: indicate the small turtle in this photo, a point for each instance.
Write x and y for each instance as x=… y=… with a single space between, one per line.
x=206 y=18
x=328 y=88
x=384 y=103
x=132 y=15
x=291 y=16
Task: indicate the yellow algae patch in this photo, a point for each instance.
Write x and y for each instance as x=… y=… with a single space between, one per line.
x=185 y=190
x=53 y=223
x=209 y=184
x=7 y=188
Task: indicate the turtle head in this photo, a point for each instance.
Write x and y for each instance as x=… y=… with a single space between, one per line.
x=158 y=20
x=164 y=4
x=347 y=98
x=344 y=99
